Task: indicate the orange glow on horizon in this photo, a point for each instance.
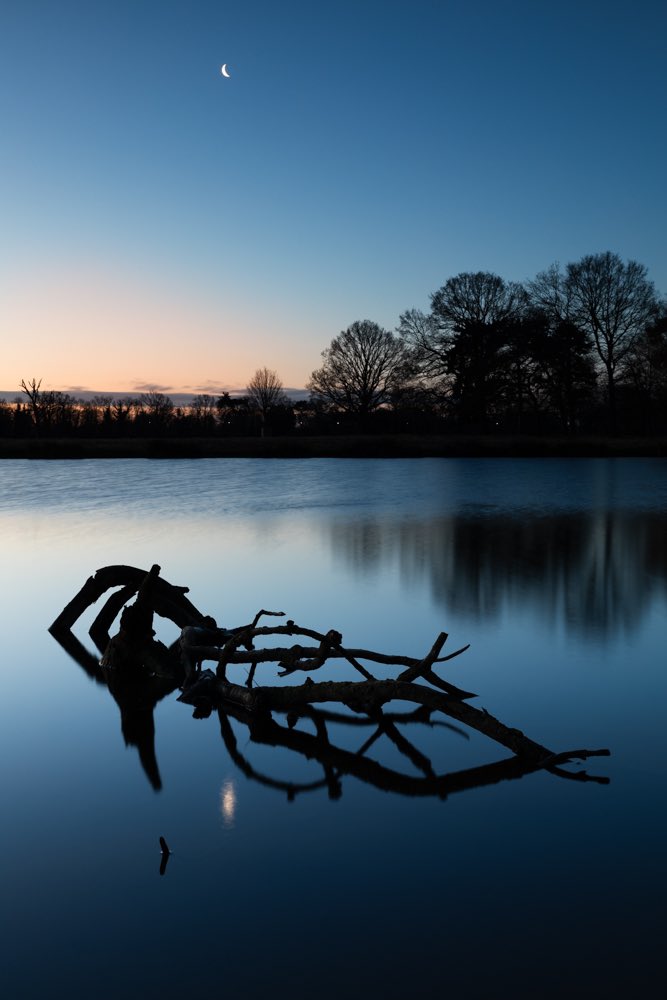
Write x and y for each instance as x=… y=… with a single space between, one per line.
x=89 y=331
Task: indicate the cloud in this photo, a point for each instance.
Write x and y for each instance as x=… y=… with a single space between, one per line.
x=212 y=388
x=151 y=387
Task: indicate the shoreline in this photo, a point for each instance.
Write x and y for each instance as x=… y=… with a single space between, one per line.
x=357 y=446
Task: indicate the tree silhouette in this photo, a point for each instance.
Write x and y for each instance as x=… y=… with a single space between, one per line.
x=614 y=302
x=362 y=367
x=422 y=335
x=463 y=342
x=564 y=350
x=647 y=366
x=265 y=390
x=568 y=377
x=33 y=392
x=51 y=410
x=476 y=298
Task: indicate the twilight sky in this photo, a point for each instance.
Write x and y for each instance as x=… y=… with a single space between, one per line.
x=165 y=227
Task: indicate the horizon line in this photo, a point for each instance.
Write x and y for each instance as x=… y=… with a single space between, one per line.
x=9 y=395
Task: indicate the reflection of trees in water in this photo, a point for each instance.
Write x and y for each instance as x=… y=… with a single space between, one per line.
x=598 y=571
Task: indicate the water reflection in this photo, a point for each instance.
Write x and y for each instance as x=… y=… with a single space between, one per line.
x=139 y=670
x=596 y=570
x=336 y=761
x=228 y=803
x=136 y=697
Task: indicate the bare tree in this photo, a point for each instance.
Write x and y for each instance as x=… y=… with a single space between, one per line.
x=551 y=293
x=203 y=410
x=420 y=332
x=33 y=392
x=59 y=410
x=158 y=405
x=476 y=298
x=265 y=390
x=614 y=302
x=362 y=367
x=50 y=408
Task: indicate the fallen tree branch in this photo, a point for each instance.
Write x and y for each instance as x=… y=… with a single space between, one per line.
x=169 y=598
x=134 y=653
x=365 y=696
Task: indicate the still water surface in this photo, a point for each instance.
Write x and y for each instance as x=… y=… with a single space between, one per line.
x=554 y=571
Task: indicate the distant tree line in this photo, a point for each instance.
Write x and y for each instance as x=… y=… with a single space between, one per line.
x=576 y=350
x=48 y=413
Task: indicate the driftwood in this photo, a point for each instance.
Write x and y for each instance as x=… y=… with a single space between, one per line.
x=139 y=670
x=168 y=601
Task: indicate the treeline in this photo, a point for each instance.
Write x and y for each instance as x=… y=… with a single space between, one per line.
x=54 y=414
x=579 y=350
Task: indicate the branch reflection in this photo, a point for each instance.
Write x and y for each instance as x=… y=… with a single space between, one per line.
x=337 y=762
x=136 y=696
x=139 y=670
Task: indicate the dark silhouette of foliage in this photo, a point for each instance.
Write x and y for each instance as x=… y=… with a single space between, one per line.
x=520 y=397
x=6 y=419
x=647 y=367
x=463 y=343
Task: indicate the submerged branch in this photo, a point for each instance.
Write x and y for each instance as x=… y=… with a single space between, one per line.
x=367 y=696
x=133 y=653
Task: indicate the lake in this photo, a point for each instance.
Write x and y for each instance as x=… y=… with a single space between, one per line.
x=555 y=572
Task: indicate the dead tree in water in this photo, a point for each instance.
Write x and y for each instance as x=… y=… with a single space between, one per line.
x=134 y=652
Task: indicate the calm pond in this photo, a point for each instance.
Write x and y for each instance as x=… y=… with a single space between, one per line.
x=555 y=572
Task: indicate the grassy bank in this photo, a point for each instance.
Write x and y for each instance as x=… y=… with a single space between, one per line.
x=380 y=446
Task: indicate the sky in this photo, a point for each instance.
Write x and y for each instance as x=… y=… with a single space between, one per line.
x=162 y=227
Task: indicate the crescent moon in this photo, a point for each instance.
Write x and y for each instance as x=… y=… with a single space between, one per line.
x=224 y=72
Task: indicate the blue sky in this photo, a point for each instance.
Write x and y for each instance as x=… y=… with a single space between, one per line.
x=164 y=226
